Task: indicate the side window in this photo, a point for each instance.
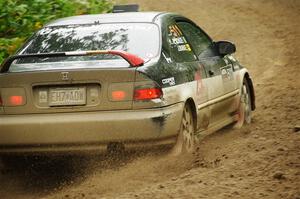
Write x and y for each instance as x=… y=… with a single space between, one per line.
x=201 y=44
x=180 y=49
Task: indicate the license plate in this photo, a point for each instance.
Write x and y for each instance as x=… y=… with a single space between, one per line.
x=67 y=96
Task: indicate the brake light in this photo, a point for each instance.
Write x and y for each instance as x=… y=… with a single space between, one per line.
x=16 y=100
x=1 y=102
x=118 y=95
x=147 y=94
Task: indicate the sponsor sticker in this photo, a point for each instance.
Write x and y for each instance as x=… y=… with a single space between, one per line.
x=175 y=31
x=227 y=73
x=170 y=81
x=178 y=40
x=168 y=59
x=185 y=47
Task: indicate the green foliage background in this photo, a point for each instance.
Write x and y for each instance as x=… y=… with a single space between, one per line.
x=19 y=19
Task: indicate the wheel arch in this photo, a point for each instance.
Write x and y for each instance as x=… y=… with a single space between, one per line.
x=192 y=104
x=251 y=88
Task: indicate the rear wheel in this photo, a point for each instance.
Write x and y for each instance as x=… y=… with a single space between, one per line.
x=186 y=138
x=244 y=111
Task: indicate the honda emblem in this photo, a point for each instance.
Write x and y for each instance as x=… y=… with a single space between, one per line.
x=65 y=76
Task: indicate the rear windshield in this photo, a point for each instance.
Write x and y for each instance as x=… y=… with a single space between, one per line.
x=141 y=39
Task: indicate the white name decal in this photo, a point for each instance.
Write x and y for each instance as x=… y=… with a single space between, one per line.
x=170 y=81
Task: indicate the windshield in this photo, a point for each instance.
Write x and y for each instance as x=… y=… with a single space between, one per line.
x=141 y=39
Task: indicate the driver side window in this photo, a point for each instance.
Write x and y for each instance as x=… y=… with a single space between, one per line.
x=201 y=43
x=179 y=47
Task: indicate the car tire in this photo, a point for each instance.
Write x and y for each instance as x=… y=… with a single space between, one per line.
x=244 y=110
x=186 y=138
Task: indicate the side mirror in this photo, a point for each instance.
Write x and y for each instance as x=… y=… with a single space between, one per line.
x=225 y=47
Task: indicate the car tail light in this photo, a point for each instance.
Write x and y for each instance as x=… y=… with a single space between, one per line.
x=118 y=95
x=1 y=101
x=147 y=94
x=16 y=100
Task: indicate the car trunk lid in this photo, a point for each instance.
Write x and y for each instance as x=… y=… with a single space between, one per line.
x=67 y=91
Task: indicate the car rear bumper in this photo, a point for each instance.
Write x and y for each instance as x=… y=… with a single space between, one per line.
x=89 y=130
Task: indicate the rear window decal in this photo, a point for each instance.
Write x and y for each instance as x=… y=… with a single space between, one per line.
x=168 y=59
x=177 y=39
x=175 y=31
x=185 y=47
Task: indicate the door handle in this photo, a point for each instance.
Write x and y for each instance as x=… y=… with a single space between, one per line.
x=211 y=73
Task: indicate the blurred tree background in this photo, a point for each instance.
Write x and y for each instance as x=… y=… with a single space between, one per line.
x=19 y=19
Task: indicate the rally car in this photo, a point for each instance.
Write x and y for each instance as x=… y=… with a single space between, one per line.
x=91 y=82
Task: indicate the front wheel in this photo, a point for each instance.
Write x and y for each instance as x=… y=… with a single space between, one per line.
x=244 y=111
x=186 y=138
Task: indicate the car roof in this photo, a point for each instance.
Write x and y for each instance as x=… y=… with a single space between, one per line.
x=107 y=18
